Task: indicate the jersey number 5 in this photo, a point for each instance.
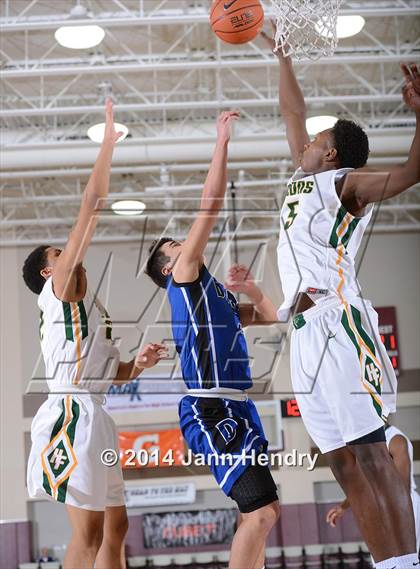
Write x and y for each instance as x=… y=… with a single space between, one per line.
x=293 y=206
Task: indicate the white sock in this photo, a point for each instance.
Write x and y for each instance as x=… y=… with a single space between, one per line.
x=386 y=564
x=407 y=561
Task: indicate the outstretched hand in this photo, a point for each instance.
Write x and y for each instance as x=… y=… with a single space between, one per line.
x=269 y=39
x=239 y=279
x=110 y=134
x=224 y=124
x=334 y=515
x=150 y=355
x=411 y=89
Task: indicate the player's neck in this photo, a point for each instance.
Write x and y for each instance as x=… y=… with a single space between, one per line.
x=326 y=167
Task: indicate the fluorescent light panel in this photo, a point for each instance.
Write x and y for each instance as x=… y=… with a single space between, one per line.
x=128 y=207
x=96 y=132
x=79 y=37
x=320 y=123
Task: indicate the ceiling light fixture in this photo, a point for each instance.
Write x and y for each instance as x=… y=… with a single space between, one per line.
x=79 y=37
x=97 y=131
x=347 y=26
x=320 y=123
x=128 y=207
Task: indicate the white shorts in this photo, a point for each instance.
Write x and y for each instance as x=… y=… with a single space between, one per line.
x=69 y=433
x=415 y=498
x=342 y=377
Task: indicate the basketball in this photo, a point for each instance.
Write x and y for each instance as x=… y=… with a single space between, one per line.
x=237 y=21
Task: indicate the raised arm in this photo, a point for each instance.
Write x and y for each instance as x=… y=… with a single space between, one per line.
x=366 y=185
x=68 y=276
x=292 y=103
x=260 y=310
x=188 y=265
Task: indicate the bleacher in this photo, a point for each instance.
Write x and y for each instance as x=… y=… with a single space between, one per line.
x=346 y=556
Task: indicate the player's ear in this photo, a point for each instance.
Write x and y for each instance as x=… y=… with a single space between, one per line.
x=166 y=270
x=46 y=272
x=331 y=155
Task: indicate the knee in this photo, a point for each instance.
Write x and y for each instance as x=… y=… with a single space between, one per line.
x=264 y=519
x=91 y=537
x=118 y=530
x=122 y=527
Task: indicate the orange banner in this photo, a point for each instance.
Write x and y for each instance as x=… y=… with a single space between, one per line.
x=139 y=449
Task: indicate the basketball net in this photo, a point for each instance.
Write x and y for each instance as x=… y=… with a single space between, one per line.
x=306 y=28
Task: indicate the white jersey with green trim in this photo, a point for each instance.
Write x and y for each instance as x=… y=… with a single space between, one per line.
x=76 y=343
x=318 y=240
x=390 y=433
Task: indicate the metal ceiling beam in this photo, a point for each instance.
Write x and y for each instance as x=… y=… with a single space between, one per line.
x=148 y=151
x=191 y=105
x=133 y=238
x=165 y=66
x=172 y=168
x=173 y=18
x=149 y=192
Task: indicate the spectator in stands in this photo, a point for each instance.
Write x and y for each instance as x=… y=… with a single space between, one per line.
x=45 y=556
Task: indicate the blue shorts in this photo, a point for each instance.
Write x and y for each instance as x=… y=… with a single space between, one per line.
x=214 y=427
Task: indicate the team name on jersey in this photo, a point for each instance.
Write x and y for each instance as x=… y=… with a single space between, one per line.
x=300 y=187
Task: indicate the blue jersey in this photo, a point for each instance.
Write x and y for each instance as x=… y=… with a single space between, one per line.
x=208 y=334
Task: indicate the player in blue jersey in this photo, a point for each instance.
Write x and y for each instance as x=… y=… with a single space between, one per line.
x=217 y=417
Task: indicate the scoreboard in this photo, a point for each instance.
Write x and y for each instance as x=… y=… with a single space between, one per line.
x=289 y=408
x=389 y=336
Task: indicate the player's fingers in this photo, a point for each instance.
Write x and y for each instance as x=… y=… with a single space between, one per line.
x=267 y=38
x=414 y=71
x=109 y=112
x=406 y=71
x=273 y=24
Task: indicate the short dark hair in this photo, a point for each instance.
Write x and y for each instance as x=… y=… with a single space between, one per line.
x=34 y=263
x=351 y=143
x=156 y=261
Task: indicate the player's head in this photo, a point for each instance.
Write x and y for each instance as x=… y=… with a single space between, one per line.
x=345 y=145
x=38 y=266
x=163 y=254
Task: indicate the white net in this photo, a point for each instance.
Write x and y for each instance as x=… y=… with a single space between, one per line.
x=306 y=28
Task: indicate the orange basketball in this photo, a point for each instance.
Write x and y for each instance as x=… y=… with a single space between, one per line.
x=236 y=21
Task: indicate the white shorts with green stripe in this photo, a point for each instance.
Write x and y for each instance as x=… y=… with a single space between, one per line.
x=342 y=377
x=69 y=434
